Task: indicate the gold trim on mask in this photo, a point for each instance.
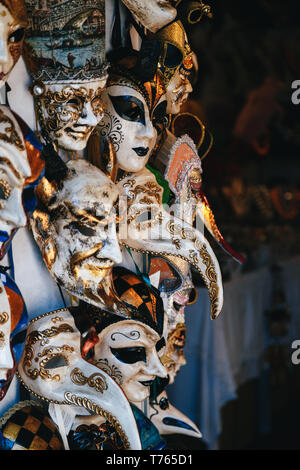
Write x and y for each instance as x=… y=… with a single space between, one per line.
x=174 y=35
x=52 y=101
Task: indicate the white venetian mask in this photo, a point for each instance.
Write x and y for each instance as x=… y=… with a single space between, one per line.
x=77 y=235
x=127 y=122
x=12 y=30
x=53 y=369
x=129 y=351
x=153 y=14
x=68 y=113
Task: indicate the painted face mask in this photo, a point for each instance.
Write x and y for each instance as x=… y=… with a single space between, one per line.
x=130 y=349
x=13 y=23
x=152 y=14
x=52 y=368
x=69 y=113
x=75 y=229
x=21 y=167
x=178 y=90
x=175 y=64
x=151 y=229
x=65 y=55
x=13 y=323
x=127 y=121
x=173 y=358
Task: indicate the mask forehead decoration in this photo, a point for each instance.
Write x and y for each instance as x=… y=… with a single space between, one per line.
x=52 y=368
x=13 y=324
x=64 y=52
x=75 y=229
x=13 y=22
x=21 y=168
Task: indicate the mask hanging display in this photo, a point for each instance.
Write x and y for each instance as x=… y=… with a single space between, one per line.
x=64 y=52
x=13 y=22
x=75 y=229
x=141 y=190
x=53 y=369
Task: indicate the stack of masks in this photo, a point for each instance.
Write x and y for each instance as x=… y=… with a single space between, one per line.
x=94 y=189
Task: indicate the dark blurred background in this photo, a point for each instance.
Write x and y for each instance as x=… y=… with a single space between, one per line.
x=248 y=58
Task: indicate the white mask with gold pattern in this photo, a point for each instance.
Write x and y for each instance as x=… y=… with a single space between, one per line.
x=77 y=234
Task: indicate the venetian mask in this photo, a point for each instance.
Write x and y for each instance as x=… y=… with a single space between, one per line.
x=178 y=90
x=13 y=321
x=68 y=69
x=173 y=358
x=20 y=168
x=68 y=113
x=53 y=369
x=12 y=30
x=130 y=349
x=75 y=229
x=153 y=14
x=175 y=64
x=127 y=122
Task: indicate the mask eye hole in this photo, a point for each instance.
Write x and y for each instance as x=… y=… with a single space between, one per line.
x=129 y=355
x=17 y=36
x=160 y=344
x=82 y=228
x=129 y=108
x=176 y=306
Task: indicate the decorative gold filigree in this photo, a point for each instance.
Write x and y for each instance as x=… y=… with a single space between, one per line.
x=96 y=380
x=48 y=354
x=3 y=318
x=96 y=409
x=2 y=339
x=43 y=338
x=66 y=106
x=10 y=135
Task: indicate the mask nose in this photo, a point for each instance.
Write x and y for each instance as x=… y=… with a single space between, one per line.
x=146 y=131
x=87 y=117
x=155 y=367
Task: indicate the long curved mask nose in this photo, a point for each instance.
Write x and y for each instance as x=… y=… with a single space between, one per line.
x=163 y=234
